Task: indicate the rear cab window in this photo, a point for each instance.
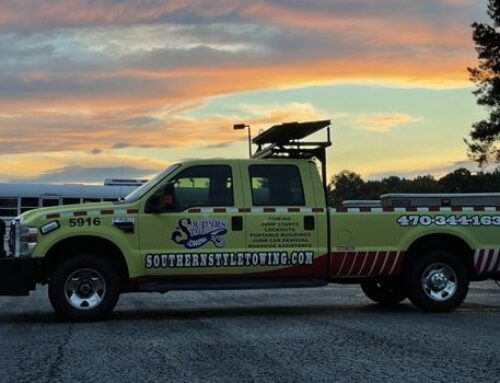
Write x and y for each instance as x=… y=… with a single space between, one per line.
x=276 y=185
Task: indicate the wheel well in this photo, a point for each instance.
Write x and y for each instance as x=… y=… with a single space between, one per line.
x=89 y=245
x=448 y=242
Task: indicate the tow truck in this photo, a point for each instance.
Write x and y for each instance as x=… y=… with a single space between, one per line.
x=253 y=223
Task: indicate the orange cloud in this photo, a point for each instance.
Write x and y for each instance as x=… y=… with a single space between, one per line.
x=108 y=131
x=375 y=29
x=383 y=123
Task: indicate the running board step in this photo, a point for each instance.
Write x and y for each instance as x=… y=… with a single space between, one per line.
x=162 y=285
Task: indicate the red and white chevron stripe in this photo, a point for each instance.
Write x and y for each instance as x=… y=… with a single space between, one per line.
x=268 y=210
x=367 y=263
x=486 y=261
x=91 y=213
x=414 y=209
x=258 y=210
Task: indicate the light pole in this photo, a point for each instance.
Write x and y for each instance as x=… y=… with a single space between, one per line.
x=241 y=127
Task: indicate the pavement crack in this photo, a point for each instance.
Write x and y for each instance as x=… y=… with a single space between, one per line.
x=57 y=366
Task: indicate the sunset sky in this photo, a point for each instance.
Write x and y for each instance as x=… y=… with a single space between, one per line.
x=98 y=88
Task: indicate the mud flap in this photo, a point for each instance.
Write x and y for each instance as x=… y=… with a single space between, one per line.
x=18 y=276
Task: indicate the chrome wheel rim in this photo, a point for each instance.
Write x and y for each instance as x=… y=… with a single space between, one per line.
x=85 y=289
x=439 y=282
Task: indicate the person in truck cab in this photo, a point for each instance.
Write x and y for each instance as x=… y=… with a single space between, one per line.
x=165 y=200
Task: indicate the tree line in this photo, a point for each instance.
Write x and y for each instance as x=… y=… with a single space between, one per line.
x=348 y=185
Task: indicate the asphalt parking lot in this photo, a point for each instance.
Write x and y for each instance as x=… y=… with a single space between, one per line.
x=297 y=335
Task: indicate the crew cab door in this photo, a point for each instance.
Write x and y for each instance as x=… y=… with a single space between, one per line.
x=201 y=233
x=282 y=225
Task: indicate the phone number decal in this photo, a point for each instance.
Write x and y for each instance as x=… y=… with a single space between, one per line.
x=449 y=220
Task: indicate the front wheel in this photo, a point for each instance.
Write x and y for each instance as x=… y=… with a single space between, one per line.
x=385 y=292
x=437 y=281
x=84 y=288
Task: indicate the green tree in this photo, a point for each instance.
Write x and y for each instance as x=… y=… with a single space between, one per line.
x=458 y=181
x=425 y=184
x=485 y=135
x=343 y=186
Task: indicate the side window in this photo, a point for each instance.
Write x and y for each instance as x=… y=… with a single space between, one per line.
x=207 y=185
x=276 y=185
x=29 y=203
x=71 y=201
x=8 y=206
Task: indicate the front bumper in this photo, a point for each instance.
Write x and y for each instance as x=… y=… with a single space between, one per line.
x=18 y=276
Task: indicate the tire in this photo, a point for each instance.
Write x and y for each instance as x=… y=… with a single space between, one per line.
x=384 y=292
x=437 y=281
x=84 y=288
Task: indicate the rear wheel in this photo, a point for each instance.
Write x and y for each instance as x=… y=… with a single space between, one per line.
x=437 y=281
x=385 y=292
x=84 y=288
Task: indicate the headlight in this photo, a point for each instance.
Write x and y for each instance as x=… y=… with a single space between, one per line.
x=25 y=240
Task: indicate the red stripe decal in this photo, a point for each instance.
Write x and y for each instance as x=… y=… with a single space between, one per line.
x=194 y=210
x=353 y=262
x=411 y=208
x=336 y=262
x=380 y=261
x=132 y=211
x=294 y=209
x=318 y=210
x=80 y=213
x=488 y=261
x=388 y=209
x=434 y=208
x=54 y=215
x=359 y=262
x=478 y=208
x=456 y=208
x=391 y=258
x=244 y=210
x=219 y=210
x=399 y=263
x=107 y=212
x=349 y=258
x=365 y=209
x=370 y=258
x=497 y=264
x=341 y=210
x=479 y=261
x=269 y=210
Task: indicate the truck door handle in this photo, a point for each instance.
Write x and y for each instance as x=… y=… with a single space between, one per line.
x=124 y=224
x=309 y=222
x=237 y=223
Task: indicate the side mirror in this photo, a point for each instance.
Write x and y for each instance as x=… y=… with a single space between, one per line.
x=162 y=200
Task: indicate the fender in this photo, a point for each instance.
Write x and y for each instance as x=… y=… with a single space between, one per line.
x=411 y=236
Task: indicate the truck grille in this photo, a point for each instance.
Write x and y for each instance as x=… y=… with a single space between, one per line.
x=12 y=238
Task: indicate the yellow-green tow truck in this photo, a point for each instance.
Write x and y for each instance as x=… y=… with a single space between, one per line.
x=248 y=224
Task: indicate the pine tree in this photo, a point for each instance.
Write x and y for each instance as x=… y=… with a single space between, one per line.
x=485 y=135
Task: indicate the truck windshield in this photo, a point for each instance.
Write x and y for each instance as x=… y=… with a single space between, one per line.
x=143 y=189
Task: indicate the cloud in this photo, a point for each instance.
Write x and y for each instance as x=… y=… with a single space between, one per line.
x=101 y=77
x=383 y=123
x=96 y=174
x=117 y=130
x=75 y=166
